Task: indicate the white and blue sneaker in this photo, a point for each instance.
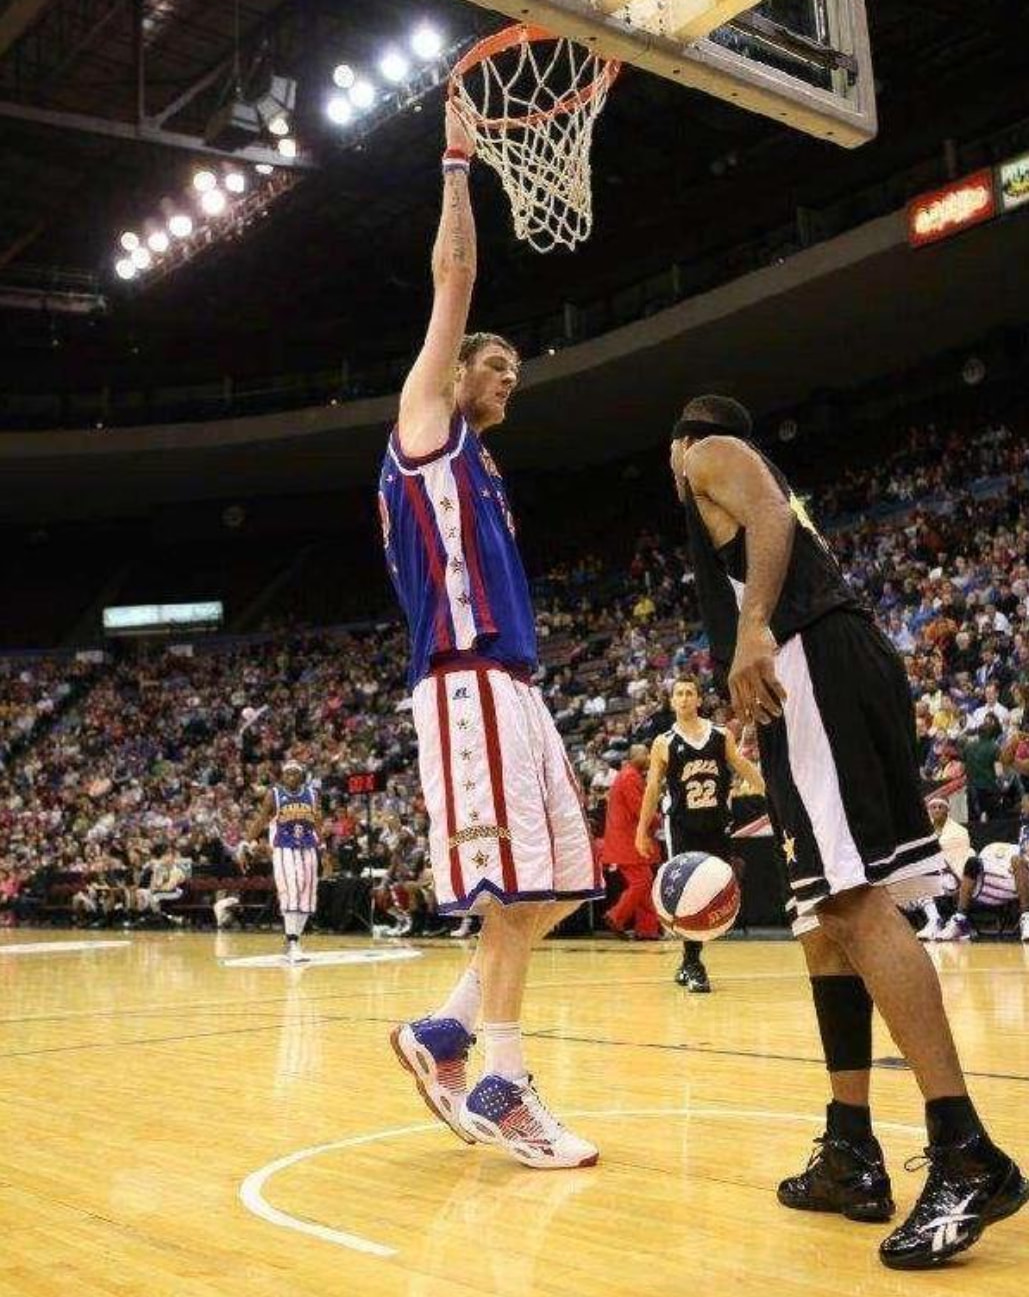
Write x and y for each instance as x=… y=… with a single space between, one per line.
x=435 y=1052
x=512 y=1116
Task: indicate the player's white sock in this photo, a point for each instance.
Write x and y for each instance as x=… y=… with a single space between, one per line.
x=464 y=1001
x=504 y=1051
x=293 y=923
x=932 y=912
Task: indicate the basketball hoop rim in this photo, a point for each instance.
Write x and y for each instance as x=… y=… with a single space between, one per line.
x=526 y=33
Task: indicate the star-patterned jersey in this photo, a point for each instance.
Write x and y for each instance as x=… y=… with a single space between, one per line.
x=452 y=554
x=296 y=817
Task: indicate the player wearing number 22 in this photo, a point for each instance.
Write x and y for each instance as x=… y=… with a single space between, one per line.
x=805 y=660
x=508 y=838
x=691 y=771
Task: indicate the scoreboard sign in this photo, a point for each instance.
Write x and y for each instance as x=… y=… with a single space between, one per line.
x=366 y=782
x=956 y=207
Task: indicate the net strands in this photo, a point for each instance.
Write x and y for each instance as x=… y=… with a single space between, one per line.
x=533 y=106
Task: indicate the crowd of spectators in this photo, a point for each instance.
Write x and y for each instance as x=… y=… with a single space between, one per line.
x=163 y=752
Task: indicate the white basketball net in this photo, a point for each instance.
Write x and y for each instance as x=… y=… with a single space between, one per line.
x=532 y=108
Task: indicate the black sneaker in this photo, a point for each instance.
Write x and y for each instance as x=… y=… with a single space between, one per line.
x=842 y=1176
x=969 y=1186
x=694 y=977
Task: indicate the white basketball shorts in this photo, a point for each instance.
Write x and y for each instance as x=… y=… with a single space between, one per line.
x=506 y=814
x=296 y=879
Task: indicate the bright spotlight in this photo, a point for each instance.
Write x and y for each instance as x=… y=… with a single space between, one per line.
x=288 y=146
x=338 y=110
x=362 y=95
x=141 y=258
x=279 y=125
x=213 y=202
x=129 y=240
x=426 y=42
x=236 y=182
x=264 y=168
x=204 y=181
x=344 y=76
x=181 y=225
x=125 y=268
x=158 y=242
x=393 y=66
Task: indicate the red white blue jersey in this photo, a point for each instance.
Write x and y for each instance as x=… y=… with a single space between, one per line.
x=451 y=551
x=296 y=817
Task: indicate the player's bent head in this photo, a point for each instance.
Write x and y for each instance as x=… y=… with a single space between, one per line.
x=292 y=774
x=488 y=367
x=712 y=416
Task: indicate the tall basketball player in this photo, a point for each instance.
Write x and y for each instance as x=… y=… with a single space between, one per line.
x=290 y=816
x=508 y=837
x=807 y=663
x=691 y=770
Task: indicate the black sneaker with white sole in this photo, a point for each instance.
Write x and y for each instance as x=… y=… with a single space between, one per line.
x=970 y=1185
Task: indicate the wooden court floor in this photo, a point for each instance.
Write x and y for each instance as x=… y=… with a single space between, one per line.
x=172 y=1122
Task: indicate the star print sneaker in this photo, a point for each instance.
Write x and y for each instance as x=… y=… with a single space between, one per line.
x=512 y=1116
x=435 y=1052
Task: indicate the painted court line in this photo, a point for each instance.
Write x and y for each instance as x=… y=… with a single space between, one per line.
x=325 y=958
x=251 y=1191
x=59 y=947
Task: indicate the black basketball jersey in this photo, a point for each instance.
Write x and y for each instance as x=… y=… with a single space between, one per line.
x=814 y=583
x=698 y=781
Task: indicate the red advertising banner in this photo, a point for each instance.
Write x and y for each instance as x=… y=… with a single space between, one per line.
x=955 y=207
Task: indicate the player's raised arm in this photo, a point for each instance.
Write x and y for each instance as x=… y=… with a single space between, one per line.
x=651 y=797
x=427 y=401
x=728 y=473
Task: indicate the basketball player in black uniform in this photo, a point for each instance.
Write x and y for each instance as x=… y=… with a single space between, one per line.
x=806 y=662
x=691 y=767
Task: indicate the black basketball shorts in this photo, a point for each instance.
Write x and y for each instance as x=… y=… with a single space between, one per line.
x=841 y=769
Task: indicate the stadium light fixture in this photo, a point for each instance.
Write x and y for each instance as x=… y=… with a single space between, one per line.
x=264 y=168
x=214 y=202
x=426 y=42
x=344 y=76
x=180 y=225
x=141 y=258
x=276 y=102
x=339 y=110
x=393 y=66
x=204 y=181
x=288 y=146
x=129 y=240
x=236 y=182
x=158 y=242
x=362 y=95
x=125 y=268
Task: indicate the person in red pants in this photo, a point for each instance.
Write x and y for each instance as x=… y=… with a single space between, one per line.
x=634 y=910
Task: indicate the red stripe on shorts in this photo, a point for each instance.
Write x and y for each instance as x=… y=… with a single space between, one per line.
x=496 y=777
x=443 y=715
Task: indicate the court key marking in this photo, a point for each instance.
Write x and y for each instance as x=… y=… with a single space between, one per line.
x=251 y=1192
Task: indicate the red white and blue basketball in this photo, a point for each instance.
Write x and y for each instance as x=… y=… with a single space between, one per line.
x=696 y=896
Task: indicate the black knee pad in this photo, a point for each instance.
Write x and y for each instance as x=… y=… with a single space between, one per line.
x=844 y=1010
x=973 y=868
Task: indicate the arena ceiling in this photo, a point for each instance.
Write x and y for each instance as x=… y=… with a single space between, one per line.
x=338 y=267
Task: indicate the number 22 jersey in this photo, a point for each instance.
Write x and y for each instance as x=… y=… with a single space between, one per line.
x=698 y=781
